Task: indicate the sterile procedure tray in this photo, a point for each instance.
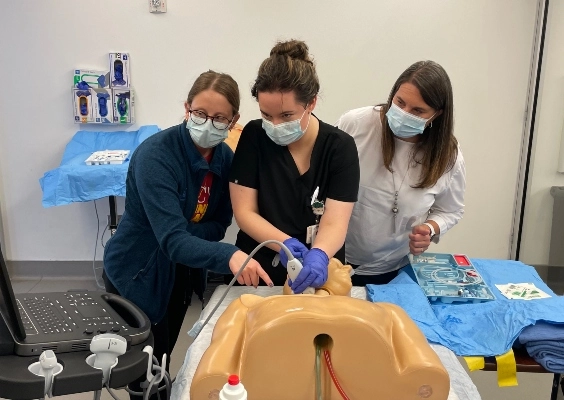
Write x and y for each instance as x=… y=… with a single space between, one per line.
x=448 y=278
x=107 y=157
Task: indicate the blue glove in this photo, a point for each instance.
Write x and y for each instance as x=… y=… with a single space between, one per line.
x=314 y=273
x=297 y=248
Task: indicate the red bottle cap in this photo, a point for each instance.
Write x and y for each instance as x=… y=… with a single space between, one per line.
x=233 y=380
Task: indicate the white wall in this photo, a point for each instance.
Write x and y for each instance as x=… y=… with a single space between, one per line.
x=549 y=134
x=2 y=196
x=360 y=48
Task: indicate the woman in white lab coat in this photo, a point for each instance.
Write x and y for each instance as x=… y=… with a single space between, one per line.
x=412 y=174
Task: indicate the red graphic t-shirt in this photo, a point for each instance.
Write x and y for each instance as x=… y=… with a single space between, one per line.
x=204 y=196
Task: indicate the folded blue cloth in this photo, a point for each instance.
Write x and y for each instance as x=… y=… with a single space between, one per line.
x=552 y=363
x=75 y=181
x=545 y=344
x=542 y=331
x=548 y=353
x=483 y=329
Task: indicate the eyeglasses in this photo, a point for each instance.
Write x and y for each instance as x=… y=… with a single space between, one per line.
x=200 y=118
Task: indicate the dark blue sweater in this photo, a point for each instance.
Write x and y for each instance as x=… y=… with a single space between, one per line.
x=163 y=183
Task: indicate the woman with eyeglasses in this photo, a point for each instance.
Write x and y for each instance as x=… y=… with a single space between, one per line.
x=412 y=174
x=177 y=210
x=294 y=178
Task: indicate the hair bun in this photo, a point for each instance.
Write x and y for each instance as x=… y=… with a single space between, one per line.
x=296 y=49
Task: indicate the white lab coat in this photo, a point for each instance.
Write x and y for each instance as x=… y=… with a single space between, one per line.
x=376 y=241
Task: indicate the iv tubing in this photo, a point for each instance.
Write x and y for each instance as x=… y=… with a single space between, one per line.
x=333 y=377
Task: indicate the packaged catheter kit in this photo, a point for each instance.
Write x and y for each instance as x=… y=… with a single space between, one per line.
x=448 y=278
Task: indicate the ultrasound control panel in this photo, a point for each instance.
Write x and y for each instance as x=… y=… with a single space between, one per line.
x=67 y=321
x=41 y=314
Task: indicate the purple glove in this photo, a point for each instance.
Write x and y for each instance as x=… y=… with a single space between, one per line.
x=314 y=273
x=297 y=248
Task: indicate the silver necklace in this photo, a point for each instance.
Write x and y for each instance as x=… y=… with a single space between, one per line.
x=395 y=208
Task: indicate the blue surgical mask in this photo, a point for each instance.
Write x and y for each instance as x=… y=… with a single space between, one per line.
x=285 y=133
x=404 y=124
x=206 y=135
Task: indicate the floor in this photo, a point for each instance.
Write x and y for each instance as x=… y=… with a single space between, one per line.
x=531 y=386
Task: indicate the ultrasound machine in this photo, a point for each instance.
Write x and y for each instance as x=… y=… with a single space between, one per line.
x=54 y=344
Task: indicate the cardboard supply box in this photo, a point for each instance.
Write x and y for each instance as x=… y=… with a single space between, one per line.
x=123 y=106
x=119 y=70
x=82 y=104
x=102 y=106
x=95 y=79
x=107 y=97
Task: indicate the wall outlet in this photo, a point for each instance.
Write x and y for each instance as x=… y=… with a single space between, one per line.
x=157 y=6
x=118 y=219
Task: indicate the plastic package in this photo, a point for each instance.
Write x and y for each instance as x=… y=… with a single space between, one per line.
x=449 y=278
x=107 y=157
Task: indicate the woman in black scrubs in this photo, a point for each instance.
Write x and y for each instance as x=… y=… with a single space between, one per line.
x=294 y=178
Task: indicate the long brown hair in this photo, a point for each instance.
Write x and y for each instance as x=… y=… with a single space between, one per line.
x=437 y=149
x=223 y=84
x=289 y=68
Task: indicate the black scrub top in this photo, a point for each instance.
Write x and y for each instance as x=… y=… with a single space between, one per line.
x=284 y=196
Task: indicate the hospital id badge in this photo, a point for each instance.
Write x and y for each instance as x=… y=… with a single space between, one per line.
x=311 y=233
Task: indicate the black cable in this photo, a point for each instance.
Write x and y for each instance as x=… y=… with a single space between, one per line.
x=96 y=247
x=532 y=130
x=102 y=238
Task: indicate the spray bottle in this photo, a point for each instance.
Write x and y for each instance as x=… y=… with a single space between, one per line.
x=233 y=390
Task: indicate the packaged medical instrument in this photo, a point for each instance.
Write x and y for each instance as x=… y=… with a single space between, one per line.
x=123 y=106
x=119 y=70
x=103 y=110
x=107 y=157
x=522 y=291
x=94 y=78
x=82 y=105
x=448 y=278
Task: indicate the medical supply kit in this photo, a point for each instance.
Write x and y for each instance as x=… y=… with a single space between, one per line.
x=107 y=157
x=104 y=97
x=448 y=278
